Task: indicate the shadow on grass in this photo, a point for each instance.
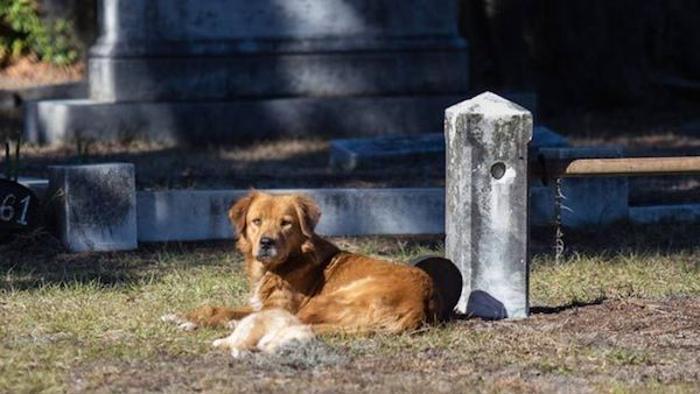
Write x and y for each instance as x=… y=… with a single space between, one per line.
x=542 y=310
x=550 y=310
x=620 y=238
x=32 y=261
x=35 y=260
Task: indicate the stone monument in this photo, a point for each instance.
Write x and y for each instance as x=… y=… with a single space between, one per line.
x=202 y=71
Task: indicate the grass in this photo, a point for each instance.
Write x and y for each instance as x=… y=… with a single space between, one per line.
x=611 y=321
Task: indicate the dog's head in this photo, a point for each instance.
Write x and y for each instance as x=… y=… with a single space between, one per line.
x=271 y=228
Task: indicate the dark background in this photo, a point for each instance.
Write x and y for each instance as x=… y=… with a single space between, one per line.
x=586 y=53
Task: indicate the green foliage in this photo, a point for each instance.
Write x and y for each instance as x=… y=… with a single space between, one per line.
x=23 y=32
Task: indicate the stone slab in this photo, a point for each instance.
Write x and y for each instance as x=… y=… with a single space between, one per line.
x=363 y=153
x=39 y=186
x=93 y=207
x=57 y=121
x=190 y=215
x=544 y=137
x=13 y=98
x=69 y=90
x=486 y=224
x=681 y=213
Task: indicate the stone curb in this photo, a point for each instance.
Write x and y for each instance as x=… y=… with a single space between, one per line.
x=192 y=215
x=198 y=215
x=680 y=213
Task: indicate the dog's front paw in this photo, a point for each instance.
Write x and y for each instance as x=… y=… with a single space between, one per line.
x=182 y=324
x=232 y=324
x=221 y=343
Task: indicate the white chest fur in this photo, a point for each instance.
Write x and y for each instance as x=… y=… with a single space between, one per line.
x=255 y=301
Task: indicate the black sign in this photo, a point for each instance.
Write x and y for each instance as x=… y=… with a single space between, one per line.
x=19 y=208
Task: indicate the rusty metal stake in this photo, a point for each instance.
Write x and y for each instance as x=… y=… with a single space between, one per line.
x=558 y=232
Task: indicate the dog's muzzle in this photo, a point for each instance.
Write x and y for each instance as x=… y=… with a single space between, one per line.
x=266 y=249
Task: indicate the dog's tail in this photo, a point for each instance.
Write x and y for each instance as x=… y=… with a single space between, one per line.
x=447 y=280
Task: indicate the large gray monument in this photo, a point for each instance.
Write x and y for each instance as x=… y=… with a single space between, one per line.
x=227 y=70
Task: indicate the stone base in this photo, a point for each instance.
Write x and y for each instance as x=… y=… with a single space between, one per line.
x=347 y=74
x=231 y=122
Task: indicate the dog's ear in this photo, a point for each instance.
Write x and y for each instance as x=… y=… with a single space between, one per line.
x=238 y=211
x=309 y=214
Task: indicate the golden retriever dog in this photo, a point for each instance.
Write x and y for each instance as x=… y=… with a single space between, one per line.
x=290 y=268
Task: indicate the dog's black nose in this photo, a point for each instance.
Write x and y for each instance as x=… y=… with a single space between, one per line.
x=266 y=242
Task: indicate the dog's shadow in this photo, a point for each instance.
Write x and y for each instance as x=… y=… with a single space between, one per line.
x=494 y=310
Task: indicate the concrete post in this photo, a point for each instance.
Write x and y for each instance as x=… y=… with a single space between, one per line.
x=487 y=203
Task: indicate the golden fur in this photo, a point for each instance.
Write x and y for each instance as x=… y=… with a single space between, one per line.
x=291 y=268
x=265 y=331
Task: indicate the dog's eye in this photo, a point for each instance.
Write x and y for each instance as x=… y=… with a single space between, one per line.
x=256 y=222
x=286 y=223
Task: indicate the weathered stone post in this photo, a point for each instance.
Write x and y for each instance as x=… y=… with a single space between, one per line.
x=93 y=207
x=487 y=203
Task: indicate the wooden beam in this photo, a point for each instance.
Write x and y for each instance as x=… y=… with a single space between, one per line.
x=628 y=166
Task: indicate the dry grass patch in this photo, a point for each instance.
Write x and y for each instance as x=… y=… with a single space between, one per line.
x=28 y=72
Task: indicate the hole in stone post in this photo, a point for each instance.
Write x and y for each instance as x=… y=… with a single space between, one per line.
x=498 y=170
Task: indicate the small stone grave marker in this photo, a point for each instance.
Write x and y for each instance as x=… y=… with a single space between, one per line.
x=94 y=206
